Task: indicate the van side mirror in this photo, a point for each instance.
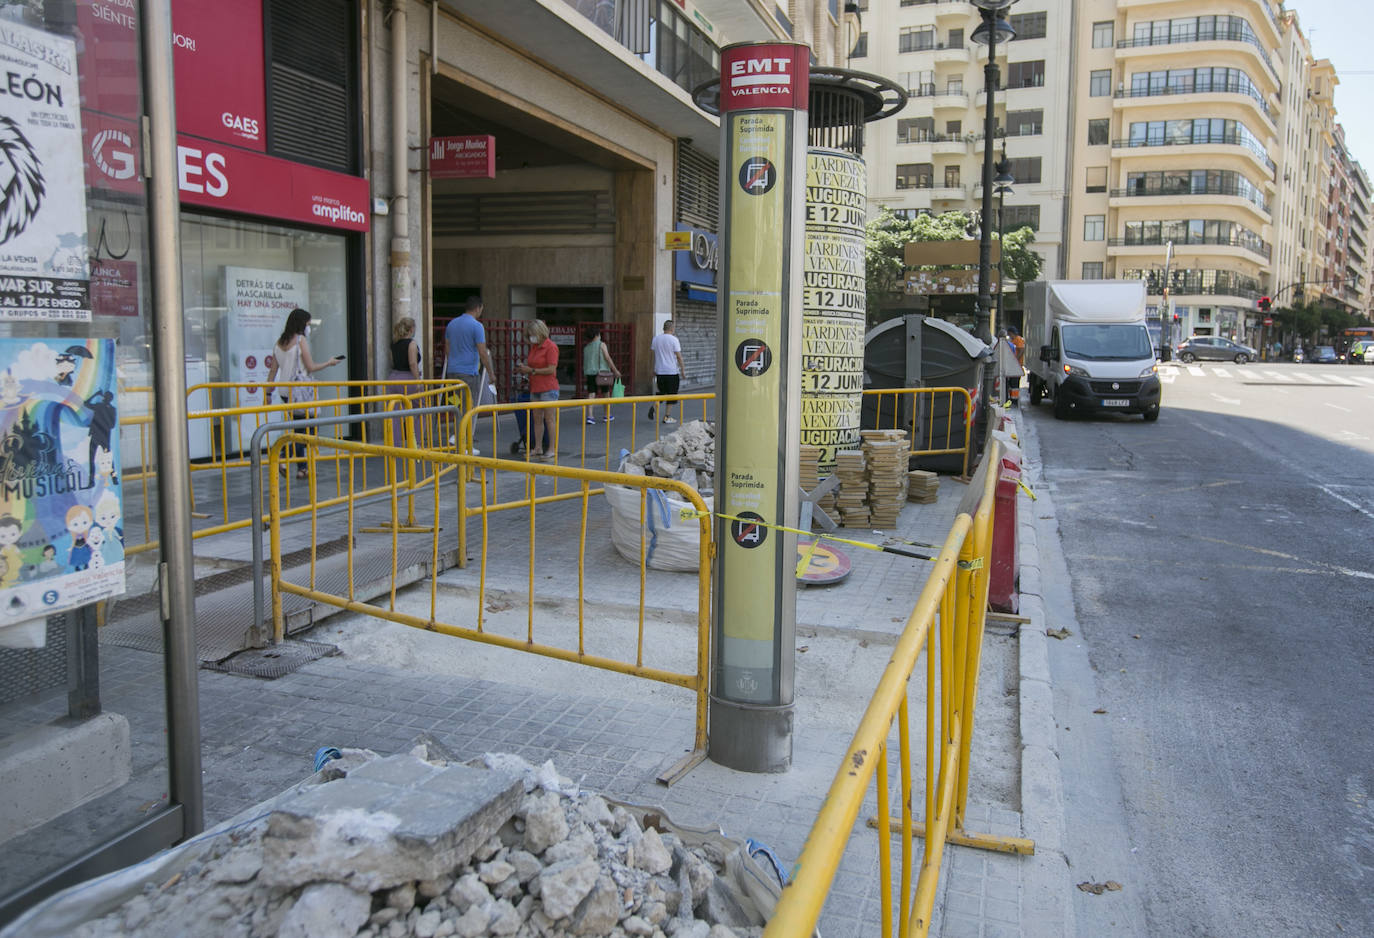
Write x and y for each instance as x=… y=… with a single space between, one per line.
x=1046 y=354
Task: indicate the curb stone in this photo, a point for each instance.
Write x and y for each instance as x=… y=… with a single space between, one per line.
x=1046 y=905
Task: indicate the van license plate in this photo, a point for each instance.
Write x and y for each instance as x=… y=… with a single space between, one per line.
x=1115 y=402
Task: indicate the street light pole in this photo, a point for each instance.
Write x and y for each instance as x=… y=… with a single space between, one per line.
x=1166 y=315
x=989 y=31
x=1003 y=183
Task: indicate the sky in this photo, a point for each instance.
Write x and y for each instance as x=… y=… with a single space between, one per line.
x=1328 y=27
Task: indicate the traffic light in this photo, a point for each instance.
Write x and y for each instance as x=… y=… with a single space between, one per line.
x=1264 y=304
x=1177 y=318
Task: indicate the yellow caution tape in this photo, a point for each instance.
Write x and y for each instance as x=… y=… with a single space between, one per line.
x=1026 y=488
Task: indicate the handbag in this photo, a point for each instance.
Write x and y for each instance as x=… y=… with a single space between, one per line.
x=605 y=378
x=617 y=389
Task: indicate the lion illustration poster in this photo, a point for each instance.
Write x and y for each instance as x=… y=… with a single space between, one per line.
x=61 y=498
x=43 y=258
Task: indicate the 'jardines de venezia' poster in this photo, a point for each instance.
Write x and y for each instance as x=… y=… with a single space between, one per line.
x=61 y=504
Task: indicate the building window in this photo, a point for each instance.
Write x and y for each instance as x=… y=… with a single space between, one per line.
x=1025 y=123
x=916 y=39
x=1022 y=216
x=783 y=19
x=1028 y=25
x=1094 y=227
x=955 y=39
x=915 y=129
x=1100 y=82
x=954 y=128
x=1026 y=74
x=1026 y=169
x=915 y=175
x=1099 y=132
x=1102 y=35
x=1092 y=270
x=860 y=47
x=1097 y=179
x=951 y=177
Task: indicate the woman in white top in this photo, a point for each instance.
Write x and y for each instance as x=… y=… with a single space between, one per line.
x=291 y=359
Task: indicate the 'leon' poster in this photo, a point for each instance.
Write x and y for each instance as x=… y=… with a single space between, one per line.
x=43 y=255
x=61 y=504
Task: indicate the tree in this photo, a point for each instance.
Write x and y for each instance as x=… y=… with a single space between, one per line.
x=888 y=235
x=1300 y=319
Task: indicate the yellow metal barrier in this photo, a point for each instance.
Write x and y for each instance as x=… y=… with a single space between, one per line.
x=952 y=608
x=500 y=498
x=441 y=619
x=231 y=429
x=911 y=408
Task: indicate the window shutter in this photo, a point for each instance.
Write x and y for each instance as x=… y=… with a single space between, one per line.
x=312 y=82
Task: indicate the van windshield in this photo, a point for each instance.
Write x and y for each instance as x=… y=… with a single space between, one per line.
x=1105 y=343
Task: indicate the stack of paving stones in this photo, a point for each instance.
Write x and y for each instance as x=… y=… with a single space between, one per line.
x=886 y=453
x=852 y=499
x=923 y=487
x=810 y=475
x=401 y=847
x=687 y=454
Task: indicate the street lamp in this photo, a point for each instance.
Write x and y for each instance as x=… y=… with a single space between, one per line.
x=990 y=31
x=1003 y=182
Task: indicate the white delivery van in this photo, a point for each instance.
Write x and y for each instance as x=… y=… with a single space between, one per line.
x=1087 y=347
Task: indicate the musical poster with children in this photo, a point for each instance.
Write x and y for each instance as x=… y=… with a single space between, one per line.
x=61 y=505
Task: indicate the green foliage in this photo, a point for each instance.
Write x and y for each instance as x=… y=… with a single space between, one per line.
x=888 y=235
x=1300 y=319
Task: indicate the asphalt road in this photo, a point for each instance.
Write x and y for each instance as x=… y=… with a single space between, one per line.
x=1222 y=605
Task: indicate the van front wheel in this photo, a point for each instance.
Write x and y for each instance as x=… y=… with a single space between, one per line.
x=1062 y=407
x=1152 y=414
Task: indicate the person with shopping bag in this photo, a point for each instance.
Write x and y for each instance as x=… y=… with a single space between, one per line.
x=598 y=371
x=291 y=359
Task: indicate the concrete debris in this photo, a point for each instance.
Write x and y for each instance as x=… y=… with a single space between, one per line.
x=687 y=454
x=405 y=847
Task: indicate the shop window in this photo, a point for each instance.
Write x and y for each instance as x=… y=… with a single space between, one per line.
x=224 y=330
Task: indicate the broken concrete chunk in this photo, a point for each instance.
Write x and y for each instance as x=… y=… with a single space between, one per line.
x=325 y=910
x=545 y=823
x=565 y=884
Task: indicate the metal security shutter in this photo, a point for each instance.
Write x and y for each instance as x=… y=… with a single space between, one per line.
x=312 y=81
x=587 y=211
x=698 y=189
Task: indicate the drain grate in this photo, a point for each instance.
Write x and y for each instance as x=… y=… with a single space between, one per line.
x=274 y=661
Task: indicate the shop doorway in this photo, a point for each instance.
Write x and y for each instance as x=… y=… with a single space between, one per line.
x=564 y=309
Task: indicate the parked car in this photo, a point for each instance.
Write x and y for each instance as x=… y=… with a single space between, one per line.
x=1325 y=355
x=1361 y=352
x=1215 y=348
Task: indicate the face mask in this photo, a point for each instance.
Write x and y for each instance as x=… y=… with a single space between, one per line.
x=307 y=330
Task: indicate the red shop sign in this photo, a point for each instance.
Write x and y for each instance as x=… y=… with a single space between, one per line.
x=114 y=288
x=471 y=156
x=218 y=57
x=769 y=75
x=233 y=180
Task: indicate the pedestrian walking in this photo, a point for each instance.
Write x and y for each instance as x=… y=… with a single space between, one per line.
x=465 y=349
x=291 y=359
x=542 y=367
x=668 y=368
x=598 y=371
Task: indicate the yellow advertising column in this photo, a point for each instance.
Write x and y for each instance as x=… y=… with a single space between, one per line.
x=833 y=302
x=763 y=99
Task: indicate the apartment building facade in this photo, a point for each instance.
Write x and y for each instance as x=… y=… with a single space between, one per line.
x=929 y=158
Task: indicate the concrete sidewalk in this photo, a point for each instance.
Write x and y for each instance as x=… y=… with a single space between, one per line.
x=615 y=734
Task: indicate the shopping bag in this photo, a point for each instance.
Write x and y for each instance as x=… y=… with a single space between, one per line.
x=486 y=393
x=618 y=389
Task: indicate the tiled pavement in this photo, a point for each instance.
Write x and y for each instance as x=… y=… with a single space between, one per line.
x=258 y=737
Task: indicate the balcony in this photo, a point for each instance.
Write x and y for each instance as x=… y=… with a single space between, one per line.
x=1226 y=140
x=1184 y=97
x=1253 y=246
x=956 y=54
x=949 y=194
x=1188 y=46
x=1188 y=194
x=949 y=100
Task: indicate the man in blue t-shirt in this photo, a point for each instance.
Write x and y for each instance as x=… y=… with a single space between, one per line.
x=465 y=348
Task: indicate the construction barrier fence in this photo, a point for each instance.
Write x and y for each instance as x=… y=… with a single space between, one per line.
x=946 y=624
x=477 y=614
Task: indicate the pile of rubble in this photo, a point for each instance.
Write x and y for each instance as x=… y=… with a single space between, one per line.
x=687 y=454
x=399 y=846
